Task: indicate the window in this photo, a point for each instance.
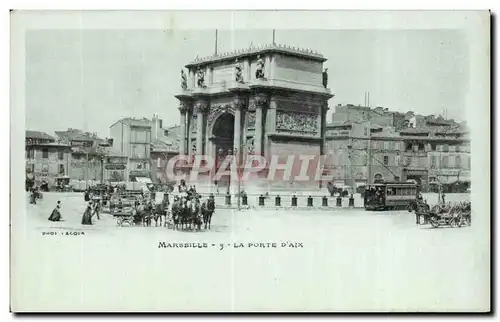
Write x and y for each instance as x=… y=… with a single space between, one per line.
x=445 y=148
x=45 y=153
x=30 y=153
x=433 y=161
x=445 y=162
x=458 y=161
x=433 y=146
x=60 y=155
x=61 y=169
x=452 y=148
x=30 y=168
x=386 y=160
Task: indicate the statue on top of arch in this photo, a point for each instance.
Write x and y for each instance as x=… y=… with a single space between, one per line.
x=184 y=85
x=239 y=72
x=259 y=73
x=201 y=78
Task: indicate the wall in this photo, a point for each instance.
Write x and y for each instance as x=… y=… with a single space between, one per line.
x=444 y=164
x=119 y=132
x=294 y=148
x=223 y=74
x=81 y=169
x=392 y=149
x=48 y=168
x=360 y=113
x=298 y=70
x=158 y=169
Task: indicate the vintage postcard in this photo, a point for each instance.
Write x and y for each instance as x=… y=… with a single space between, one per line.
x=250 y=161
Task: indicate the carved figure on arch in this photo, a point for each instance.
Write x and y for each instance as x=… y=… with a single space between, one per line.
x=259 y=73
x=238 y=72
x=183 y=80
x=251 y=120
x=201 y=78
x=295 y=122
x=251 y=146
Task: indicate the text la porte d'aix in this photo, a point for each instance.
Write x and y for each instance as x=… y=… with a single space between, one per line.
x=221 y=246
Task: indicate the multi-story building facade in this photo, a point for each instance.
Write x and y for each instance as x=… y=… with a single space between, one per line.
x=361 y=153
x=46 y=160
x=87 y=154
x=164 y=146
x=132 y=139
x=426 y=149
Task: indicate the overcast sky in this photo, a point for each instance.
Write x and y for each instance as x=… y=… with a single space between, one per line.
x=90 y=79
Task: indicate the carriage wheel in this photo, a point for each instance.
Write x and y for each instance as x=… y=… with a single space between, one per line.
x=119 y=221
x=434 y=222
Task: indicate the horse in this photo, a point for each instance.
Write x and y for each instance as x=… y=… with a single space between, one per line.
x=196 y=215
x=207 y=210
x=420 y=209
x=176 y=213
x=158 y=213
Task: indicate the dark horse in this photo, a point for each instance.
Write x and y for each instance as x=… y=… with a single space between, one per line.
x=421 y=209
x=207 y=210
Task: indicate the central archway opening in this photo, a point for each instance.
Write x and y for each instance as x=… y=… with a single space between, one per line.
x=223 y=134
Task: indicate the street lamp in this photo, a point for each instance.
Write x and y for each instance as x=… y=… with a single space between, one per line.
x=238 y=167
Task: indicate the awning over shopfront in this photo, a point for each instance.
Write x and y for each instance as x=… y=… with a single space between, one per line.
x=143 y=180
x=339 y=183
x=415 y=172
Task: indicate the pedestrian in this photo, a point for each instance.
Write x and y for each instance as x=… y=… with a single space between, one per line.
x=56 y=213
x=33 y=197
x=87 y=215
x=96 y=209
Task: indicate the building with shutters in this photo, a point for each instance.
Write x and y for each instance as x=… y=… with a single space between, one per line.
x=46 y=159
x=432 y=151
x=88 y=153
x=132 y=139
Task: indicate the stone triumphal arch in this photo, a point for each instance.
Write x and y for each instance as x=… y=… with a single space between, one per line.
x=270 y=100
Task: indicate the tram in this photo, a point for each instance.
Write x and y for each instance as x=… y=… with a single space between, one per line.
x=390 y=195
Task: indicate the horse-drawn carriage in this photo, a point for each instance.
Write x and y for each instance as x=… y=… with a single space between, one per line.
x=453 y=215
x=189 y=212
x=125 y=213
x=62 y=184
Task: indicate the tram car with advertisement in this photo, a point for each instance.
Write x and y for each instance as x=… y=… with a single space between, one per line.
x=389 y=195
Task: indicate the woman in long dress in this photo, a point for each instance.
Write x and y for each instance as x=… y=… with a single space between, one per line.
x=87 y=215
x=56 y=213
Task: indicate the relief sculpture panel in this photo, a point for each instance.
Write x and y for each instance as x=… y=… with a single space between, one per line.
x=192 y=124
x=250 y=121
x=288 y=122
